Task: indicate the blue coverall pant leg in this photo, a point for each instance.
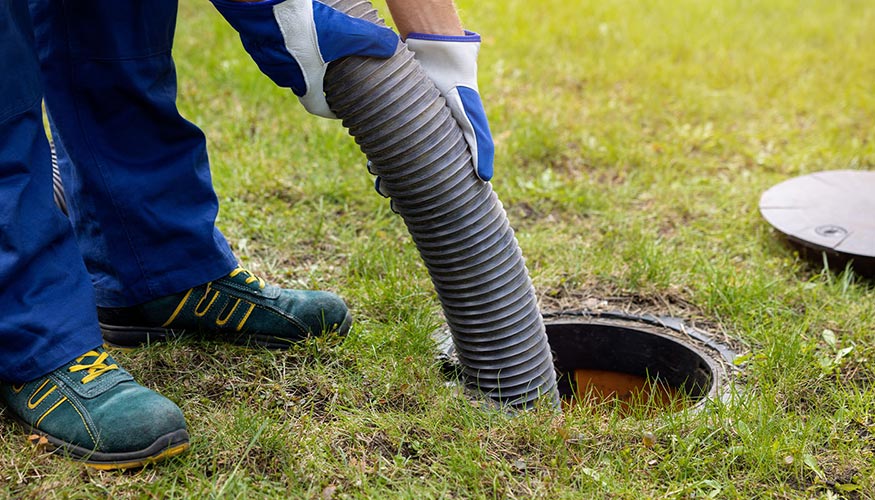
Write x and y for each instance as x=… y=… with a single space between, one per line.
x=136 y=173
x=47 y=308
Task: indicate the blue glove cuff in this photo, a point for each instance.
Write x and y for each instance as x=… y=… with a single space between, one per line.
x=473 y=107
x=469 y=36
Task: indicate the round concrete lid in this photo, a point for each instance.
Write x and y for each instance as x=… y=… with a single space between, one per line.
x=832 y=212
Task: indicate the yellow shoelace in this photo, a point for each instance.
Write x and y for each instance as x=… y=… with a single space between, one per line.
x=250 y=278
x=96 y=368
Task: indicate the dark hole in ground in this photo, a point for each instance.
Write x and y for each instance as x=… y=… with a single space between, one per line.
x=610 y=357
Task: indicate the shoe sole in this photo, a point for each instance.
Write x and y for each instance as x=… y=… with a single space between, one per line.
x=129 y=337
x=167 y=446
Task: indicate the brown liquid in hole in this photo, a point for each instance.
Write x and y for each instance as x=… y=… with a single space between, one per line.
x=596 y=387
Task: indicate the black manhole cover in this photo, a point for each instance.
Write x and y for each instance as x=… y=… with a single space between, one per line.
x=830 y=213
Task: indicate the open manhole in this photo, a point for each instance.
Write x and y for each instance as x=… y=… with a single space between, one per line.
x=644 y=364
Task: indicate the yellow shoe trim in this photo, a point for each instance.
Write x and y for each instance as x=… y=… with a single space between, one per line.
x=178 y=308
x=169 y=452
x=41 y=442
x=31 y=404
x=44 y=415
x=220 y=321
x=245 y=316
x=197 y=309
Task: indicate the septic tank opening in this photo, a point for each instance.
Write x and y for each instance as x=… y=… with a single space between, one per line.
x=631 y=364
x=645 y=364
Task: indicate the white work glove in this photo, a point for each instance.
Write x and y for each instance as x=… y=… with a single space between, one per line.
x=292 y=41
x=451 y=63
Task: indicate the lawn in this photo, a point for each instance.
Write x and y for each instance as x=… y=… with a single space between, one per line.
x=633 y=139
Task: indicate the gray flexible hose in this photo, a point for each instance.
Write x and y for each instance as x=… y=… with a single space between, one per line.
x=401 y=122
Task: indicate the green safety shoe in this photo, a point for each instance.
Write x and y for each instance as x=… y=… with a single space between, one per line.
x=238 y=308
x=92 y=410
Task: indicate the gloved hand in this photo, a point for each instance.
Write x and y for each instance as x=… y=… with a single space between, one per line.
x=451 y=63
x=292 y=42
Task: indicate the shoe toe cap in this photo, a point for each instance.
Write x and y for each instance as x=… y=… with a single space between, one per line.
x=307 y=313
x=136 y=419
x=323 y=312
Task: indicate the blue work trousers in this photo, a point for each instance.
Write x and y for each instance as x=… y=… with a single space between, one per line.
x=136 y=174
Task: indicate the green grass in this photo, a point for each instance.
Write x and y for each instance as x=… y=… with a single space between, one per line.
x=634 y=139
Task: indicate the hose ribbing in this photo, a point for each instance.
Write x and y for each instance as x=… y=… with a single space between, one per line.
x=401 y=122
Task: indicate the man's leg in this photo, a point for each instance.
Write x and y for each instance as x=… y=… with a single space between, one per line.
x=139 y=188
x=46 y=300
x=50 y=359
x=139 y=191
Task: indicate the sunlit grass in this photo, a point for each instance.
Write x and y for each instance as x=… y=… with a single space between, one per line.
x=634 y=139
